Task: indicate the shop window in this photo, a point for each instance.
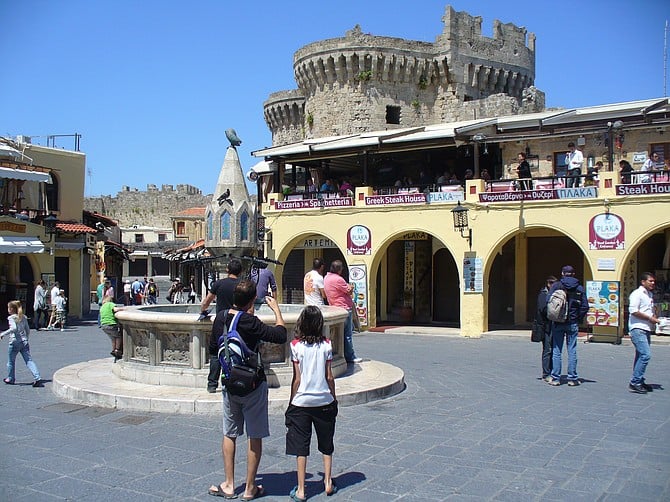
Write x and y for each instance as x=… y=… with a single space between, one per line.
x=393 y=114
x=51 y=191
x=560 y=163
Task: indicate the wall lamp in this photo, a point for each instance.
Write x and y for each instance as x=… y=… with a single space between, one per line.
x=50 y=229
x=460 y=214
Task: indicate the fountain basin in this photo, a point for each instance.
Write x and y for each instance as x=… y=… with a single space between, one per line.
x=167 y=345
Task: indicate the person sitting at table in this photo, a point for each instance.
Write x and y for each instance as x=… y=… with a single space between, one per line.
x=346 y=188
x=328 y=186
x=485 y=175
x=625 y=169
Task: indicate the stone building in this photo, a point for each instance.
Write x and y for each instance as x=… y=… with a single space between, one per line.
x=363 y=82
x=152 y=207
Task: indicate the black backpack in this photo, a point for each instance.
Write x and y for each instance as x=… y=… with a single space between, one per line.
x=241 y=368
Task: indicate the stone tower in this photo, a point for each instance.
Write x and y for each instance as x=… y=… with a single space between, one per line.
x=231 y=215
x=363 y=82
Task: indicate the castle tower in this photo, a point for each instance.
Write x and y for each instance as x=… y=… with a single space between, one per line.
x=362 y=82
x=230 y=216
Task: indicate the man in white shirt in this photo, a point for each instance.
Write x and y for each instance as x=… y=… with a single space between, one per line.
x=313 y=284
x=649 y=165
x=642 y=322
x=574 y=160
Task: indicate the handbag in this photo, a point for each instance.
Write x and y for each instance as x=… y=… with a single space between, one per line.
x=537 y=332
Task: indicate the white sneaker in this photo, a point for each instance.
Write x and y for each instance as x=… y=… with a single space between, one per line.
x=357 y=360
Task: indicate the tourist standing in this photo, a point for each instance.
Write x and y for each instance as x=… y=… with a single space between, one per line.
x=313 y=284
x=53 y=295
x=251 y=409
x=151 y=292
x=313 y=402
x=110 y=326
x=40 y=306
x=18 y=332
x=642 y=322
x=338 y=293
x=568 y=330
x=574 y=160
x=523 y=172
x=223 y=291
x=541 y=320
x=266 y=285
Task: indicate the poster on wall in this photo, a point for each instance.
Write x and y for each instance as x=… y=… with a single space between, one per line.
x=473 y=275
x=604 y=303
x=358 y=277
x=606 y=231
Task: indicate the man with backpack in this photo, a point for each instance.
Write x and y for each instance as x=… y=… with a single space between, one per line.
x=566 y=307
x=151 y=292
x=251 y=409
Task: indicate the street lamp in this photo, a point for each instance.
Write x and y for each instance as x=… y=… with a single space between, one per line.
x=50 y=229
x=611 y=127
x=460 y=214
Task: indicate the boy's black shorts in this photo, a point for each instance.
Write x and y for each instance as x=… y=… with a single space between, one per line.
x=299 y=423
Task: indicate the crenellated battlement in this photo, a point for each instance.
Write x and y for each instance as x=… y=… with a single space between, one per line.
x=348 y=84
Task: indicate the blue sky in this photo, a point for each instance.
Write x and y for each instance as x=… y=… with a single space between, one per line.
x=152 y=85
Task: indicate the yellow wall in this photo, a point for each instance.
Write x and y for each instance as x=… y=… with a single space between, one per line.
x=493 y=224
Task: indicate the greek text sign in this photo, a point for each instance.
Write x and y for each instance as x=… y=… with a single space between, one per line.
x=559 y=193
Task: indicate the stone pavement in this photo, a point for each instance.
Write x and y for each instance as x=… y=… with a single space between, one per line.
x=474 y=423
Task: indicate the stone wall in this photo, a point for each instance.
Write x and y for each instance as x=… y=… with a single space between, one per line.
x=363 y=82
x=152 y=207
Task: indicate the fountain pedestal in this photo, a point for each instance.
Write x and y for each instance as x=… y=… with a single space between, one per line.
x=167 y=345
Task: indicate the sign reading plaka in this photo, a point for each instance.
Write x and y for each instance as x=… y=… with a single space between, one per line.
x=385 y=200
x=314 y=203
x=359 y=241
x=559 y=193
x=437 y=197
x=606 y=231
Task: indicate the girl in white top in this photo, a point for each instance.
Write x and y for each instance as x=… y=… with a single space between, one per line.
x=313 y=401
x=18 y=332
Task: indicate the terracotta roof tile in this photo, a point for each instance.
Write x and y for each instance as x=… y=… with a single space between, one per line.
x=75 y=228
x=192 y=211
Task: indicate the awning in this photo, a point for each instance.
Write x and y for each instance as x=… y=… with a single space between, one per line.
x=22 y=244
x=22 y=174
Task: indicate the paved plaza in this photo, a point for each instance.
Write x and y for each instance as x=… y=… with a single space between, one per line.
x=474 y=423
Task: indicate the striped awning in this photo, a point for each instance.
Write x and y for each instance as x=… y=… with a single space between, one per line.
x=16 y=245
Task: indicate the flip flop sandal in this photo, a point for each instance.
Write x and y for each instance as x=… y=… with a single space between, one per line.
x=220 y=493
x=260 y=491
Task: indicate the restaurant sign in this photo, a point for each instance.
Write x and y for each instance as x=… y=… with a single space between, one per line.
x=606 y=231
x=314 y=203
x=359 y=240
x=528 y=195
x=386 y=200
x=643 y=189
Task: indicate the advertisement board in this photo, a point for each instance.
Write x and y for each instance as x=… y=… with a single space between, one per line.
x=604 y=299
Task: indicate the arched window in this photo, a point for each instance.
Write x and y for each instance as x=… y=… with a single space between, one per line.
x=51 y=192
x=244 y=226
x=210 y=227
x=225 y=225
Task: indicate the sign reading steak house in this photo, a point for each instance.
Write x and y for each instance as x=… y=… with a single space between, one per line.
x=384 y=200
x=643 y=189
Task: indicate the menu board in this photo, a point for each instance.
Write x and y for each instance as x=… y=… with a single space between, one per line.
x=473 y=275
x=604 y=303
x=358 y=277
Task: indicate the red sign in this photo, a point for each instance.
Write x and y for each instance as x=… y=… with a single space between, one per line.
x=606 y=231
x=314 y=203
x=359 y=240
x=643 y=189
